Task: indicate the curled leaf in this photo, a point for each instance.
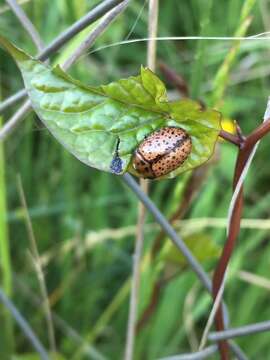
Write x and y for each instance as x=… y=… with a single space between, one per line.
x=102 y=126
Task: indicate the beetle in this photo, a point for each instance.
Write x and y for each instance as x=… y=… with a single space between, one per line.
x=161 y=152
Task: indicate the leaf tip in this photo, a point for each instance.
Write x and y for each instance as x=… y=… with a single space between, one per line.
x=14 y=51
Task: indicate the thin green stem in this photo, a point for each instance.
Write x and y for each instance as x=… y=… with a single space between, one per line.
x=6 y=333
x=198 y=68
x=221 y=79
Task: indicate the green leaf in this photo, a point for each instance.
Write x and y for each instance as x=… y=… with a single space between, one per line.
x=201 y=245
x=102 y=126
x=34 y=356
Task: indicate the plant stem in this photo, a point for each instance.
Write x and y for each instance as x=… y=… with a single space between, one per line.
x=152 y=33
x=6 y=333
x=221 y=79
x=175 y=79
x=93 y=15
x=135 y=284
x=179 y=243
x=198 y=69
x=38 y=268
x=246 y=151
x=230 y=137
x=26 y=23
x=21 y=113
x=258 y=133
x=25 y=327
x=97 y=31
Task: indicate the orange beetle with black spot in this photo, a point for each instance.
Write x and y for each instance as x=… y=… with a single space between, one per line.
x=162 y=152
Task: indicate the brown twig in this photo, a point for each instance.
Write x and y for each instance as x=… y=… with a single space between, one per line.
x=149 y=310
x=246 y=146
x=174 y=79
x=258 y=134
x=234 y=139
x=223 y=263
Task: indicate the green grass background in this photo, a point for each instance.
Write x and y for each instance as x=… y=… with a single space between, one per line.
x=82 y=217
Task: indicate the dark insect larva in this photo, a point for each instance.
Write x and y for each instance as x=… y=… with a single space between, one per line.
x=162 y=152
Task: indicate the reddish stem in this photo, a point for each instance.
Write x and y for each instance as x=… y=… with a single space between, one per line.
x=234 y=229
x=222 y=265
x=245 y=149
x=148 y=312
x=174 y=78
x=236 y=140
x=258 y=133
